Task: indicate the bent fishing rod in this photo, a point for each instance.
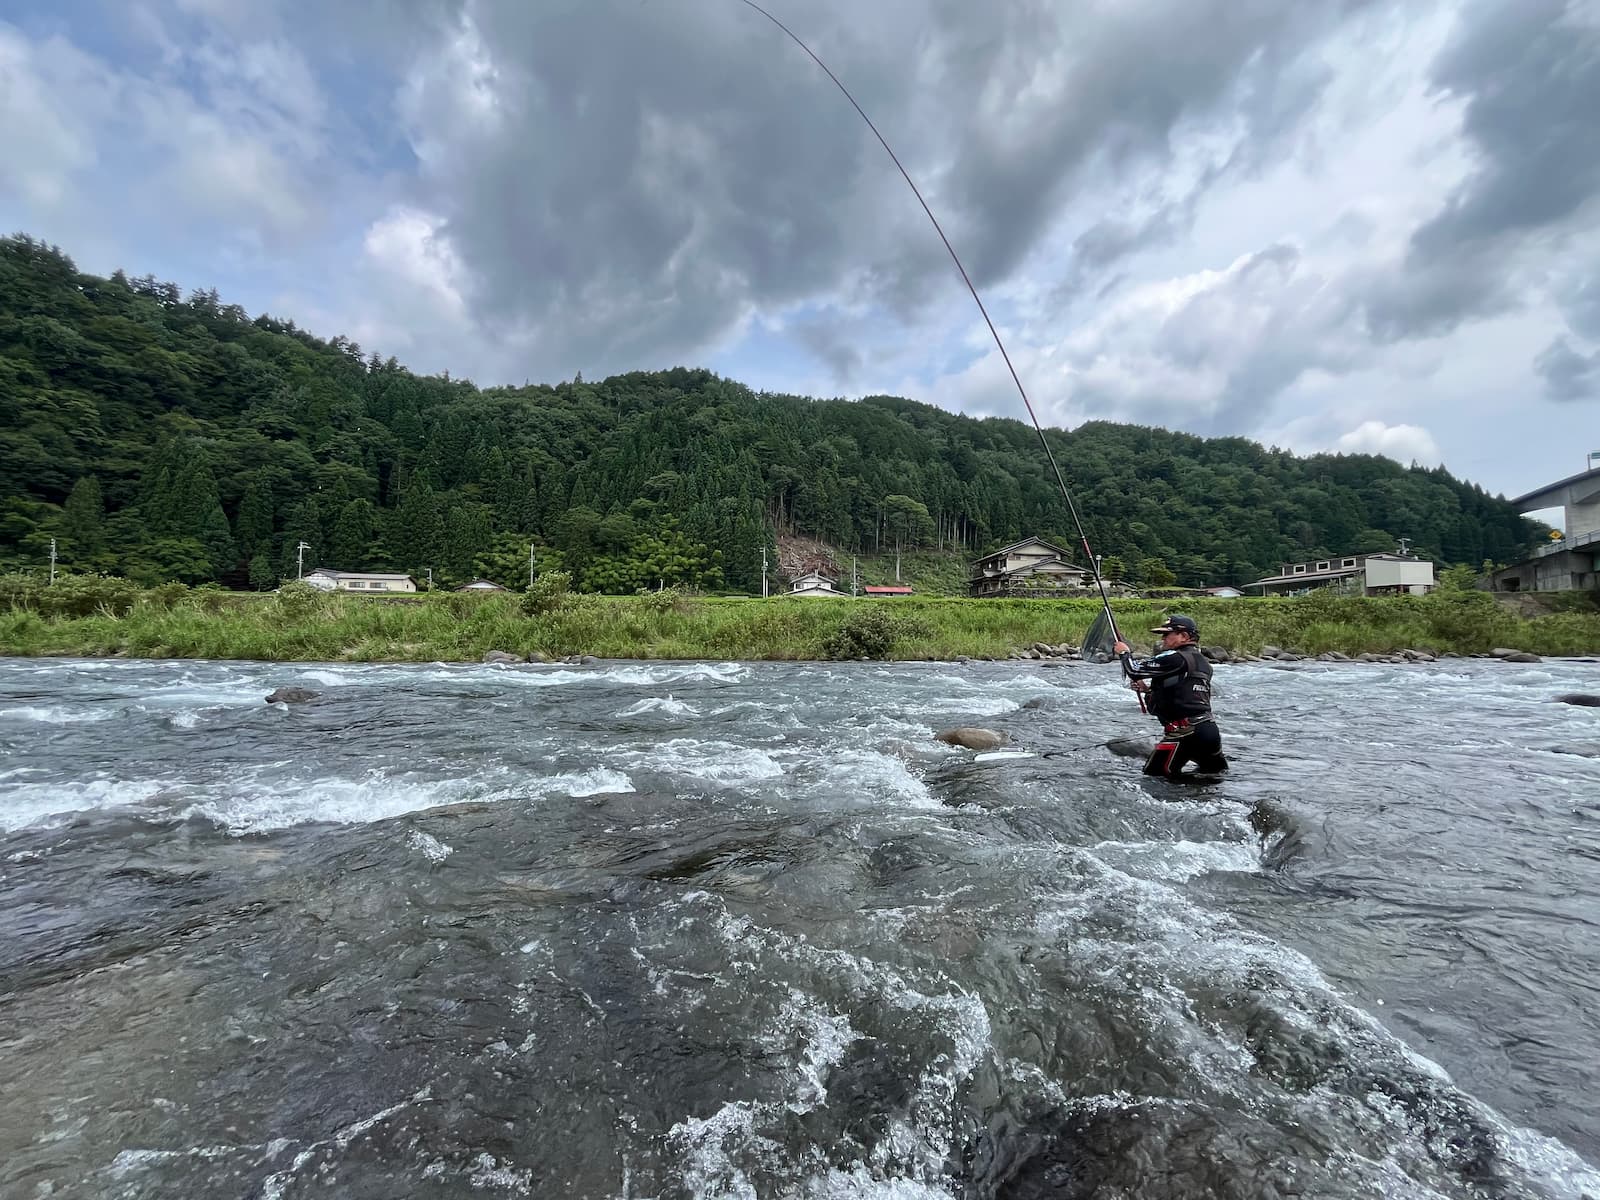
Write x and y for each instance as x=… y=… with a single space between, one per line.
x=1105 y=599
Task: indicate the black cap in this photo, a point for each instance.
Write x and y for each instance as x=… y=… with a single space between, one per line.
x=1179 y=624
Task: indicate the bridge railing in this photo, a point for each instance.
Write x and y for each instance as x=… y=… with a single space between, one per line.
x=1571 y=542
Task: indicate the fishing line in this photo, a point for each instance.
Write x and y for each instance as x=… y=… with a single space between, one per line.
x=1105 y=600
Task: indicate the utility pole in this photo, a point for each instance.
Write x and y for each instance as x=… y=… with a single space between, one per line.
x=300 y=560
x=52 y=560
x=763 y=572
x=430 y=577
x=852 y=574
x=530 y=566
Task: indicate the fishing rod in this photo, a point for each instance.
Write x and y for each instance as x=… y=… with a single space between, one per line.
x=1088 y=554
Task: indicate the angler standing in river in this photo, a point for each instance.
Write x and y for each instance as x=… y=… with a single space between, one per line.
x=1176 y=684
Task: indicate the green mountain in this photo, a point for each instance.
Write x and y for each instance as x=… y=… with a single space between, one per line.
x=165 y=437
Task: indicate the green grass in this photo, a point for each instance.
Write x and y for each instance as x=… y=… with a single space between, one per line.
x=463 y=627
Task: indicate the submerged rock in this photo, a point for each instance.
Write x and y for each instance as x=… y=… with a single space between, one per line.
x=1592 y=750
x=1582 y=699
x=501 y=657
x=1131 y=747
x=292 y=695
x=972 y=738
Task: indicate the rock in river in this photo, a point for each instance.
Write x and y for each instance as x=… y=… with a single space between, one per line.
x=973 y=738
x=292 y=695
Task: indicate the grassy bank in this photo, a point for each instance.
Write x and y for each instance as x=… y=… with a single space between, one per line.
x=175 y=623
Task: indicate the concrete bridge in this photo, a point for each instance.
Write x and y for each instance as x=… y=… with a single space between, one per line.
x=1579 y=495
x=1573 y=561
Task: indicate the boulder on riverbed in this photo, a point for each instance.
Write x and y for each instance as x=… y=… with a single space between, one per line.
x=973 y=738
x=1131 y=747
x=1507 y=654
x=1581 y=699
x=292 y=695
x=501 y=658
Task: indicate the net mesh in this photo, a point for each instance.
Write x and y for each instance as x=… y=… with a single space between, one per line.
x=1097 y=643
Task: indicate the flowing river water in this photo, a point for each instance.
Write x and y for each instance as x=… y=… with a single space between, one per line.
x=747 y=930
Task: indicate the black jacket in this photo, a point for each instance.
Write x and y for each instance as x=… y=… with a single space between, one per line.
x=1180 y=682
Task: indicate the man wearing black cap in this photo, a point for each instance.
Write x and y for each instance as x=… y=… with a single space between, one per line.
x=1177 y=686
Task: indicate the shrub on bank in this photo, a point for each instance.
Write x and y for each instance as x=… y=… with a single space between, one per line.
x=550 y=592
x=69 y=595
x=297 y=600
x=864 y=633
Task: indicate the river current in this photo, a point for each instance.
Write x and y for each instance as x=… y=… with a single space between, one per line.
x=671 y=930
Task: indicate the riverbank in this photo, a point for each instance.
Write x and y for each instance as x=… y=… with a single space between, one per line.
x=176 y=623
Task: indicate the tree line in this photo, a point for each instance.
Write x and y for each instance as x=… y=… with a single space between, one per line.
x=165 y=437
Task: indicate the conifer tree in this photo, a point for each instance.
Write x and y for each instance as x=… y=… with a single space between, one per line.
x=254 y=527
x=217 y=539
x=262 y=576
x=302 y=525
x=83 y=520
x=416 y=534
x=351 y=542
x=467 y=534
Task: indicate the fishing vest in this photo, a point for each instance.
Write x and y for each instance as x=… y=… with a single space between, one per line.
x=1185 y=693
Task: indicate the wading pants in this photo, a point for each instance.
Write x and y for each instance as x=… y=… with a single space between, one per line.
x=1201 y=745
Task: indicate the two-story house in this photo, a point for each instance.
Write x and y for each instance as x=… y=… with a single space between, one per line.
x=1028 y=567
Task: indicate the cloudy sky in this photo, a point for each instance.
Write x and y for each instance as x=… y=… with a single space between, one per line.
x=1342 y=225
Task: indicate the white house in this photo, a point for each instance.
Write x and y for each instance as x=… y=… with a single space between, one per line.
x=814 y=583
x=481 y=585
x=1398 y=573
x=1032 y=564
x=359 y=581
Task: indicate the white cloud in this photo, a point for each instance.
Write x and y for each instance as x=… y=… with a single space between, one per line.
x=44 y=143
x=1404 y=443
x=406 y=246
x=87 y=142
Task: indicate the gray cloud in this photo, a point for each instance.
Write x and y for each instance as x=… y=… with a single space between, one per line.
x=1124 y=91
x=628 y=181
x=1213 y=357
x=835 y=343
x=1579 y=296
x=1567 y=373
x=1528 y=75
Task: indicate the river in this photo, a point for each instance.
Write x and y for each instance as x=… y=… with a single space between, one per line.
x=747 y=930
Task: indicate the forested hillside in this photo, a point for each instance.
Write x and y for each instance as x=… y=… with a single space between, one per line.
x=164 y=437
